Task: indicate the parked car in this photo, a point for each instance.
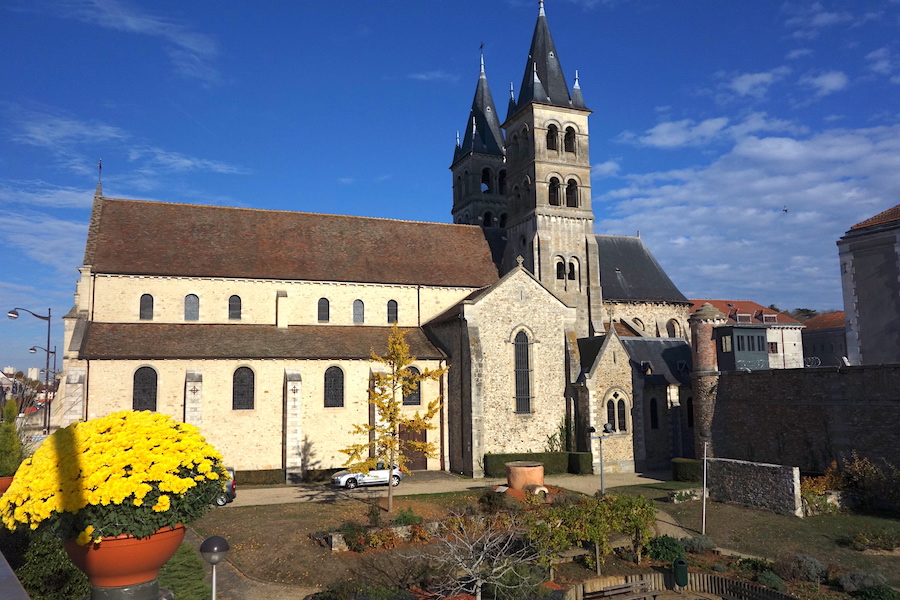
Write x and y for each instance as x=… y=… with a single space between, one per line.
x=378 y=475
x=230 y=490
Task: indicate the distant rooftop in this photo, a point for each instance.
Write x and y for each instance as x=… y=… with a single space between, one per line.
x=829 y=320
x=888 y=216
x=745 y=311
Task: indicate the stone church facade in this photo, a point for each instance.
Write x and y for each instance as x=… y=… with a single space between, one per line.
x=251 y=325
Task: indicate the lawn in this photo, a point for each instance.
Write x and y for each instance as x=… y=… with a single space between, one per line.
x=762 y=533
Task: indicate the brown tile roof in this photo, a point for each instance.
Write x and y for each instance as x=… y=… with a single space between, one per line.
x=147 y=341
x=827 y=320
x=158 y=238
x=733 y=308
x=891 y=214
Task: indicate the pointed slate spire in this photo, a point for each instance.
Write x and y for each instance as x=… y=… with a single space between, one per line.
x=537 y=88
x=511 y=108
x=483 y=133
x=543 y=59
x=577 y=98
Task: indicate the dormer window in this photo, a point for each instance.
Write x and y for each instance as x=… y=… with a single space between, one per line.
x=770 y=318
x=743 y=318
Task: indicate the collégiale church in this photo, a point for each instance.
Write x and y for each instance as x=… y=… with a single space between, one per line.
x=258 y=325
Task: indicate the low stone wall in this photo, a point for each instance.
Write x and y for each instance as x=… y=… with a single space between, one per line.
x=760 y=485
x=697 y=582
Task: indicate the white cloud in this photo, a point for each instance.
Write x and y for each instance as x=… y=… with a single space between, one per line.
x=434 y=76
x=883 y=61
x=809 y=20
x=609 y=168
x=175 y=161
x=826 y=83
x=677 y=134
x=720 y=229
x=757 y=84
x=40 y=193
x=191 y=53
x=45 y=239
x=798 y=53
x=346 y=180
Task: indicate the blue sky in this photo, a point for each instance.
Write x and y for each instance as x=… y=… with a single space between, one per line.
x=709 y=119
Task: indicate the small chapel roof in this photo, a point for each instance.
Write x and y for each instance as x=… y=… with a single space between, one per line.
x=159 y=238
x=157 y=341
x=664 y=361
x=628 y=271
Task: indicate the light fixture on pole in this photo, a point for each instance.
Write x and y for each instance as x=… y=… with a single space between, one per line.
x=14 y=314
x=607 y=429
x=213 y=550
x=705 y=436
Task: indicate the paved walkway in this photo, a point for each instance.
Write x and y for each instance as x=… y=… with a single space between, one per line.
x=234 y=585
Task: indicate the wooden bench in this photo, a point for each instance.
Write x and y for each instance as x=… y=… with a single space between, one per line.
x=625 y=591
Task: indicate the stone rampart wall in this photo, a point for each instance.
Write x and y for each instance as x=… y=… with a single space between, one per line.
x=761 y=485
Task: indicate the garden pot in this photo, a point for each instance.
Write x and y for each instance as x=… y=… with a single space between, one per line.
x=5 y=482
x=125 y=560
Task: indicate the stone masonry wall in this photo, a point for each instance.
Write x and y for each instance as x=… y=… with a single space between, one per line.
x=761 y=485
x=807 y=417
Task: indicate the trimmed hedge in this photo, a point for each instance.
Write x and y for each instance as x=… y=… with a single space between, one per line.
x=554 y=462
x=264 y=477
x=687 y=469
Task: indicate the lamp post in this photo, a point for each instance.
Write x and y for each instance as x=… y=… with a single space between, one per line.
x=705 y=435
x=607 y=429
x=213 y=550
x=14 y=314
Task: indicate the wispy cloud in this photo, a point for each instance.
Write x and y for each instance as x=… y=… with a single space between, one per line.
x=175 y=161
x=346 y=180
x=43 y=194
x=808 y=20
x=609 y=168
x=687 y=132
x=757 y=84
x=798 y=53
x=192 y=53
x=45 y=239
x=434 y=76
x=885 y=62
x=826 y=83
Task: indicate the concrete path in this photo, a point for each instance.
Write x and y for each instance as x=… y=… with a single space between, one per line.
x=234 y=585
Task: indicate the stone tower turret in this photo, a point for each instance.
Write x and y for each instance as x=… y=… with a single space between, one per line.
x=705 y=376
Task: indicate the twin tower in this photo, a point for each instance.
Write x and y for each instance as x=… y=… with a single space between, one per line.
x=530 y=189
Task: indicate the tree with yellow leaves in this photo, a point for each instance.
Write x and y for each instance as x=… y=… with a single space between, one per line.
x=386 y=392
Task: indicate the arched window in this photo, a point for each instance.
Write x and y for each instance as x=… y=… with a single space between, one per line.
x=654 y=414
x=488 y=220
x=572 y=194
x=560 y=270
x=623 y=423
x=242 y=389
x=690 y=411
x=414 y=398
x=143 y=396
x=501 y=182
x=673 y=328
x=486 y=181
x=191 y=307
x=392 y=311
x=611 y=413
x=502 y=219
x=552 y=137
x=234 y=308
x=522 y=372
x=324 y=310
x=570 y=140
x=573 y=273
x=334 y=387
x=554 y=191
x=146 y=307
x=359 y=311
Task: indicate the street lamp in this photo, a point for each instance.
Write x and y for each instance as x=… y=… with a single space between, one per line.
x=14 y=314
x=607 y=429
x=705 y=436
x=213 y=550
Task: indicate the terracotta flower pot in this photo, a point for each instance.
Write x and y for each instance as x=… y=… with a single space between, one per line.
x=125 y=560
x=5 y=482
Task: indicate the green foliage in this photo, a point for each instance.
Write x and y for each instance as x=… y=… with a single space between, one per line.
x=581 y=463
x=355 y=536
x=771 y=580
x=817 y=504
x=665 y=549
x=719 y=568
x=47 y=572
x=383 y=539
x=859 y=581
x=634 y=517
x=522 y=583
x=699 y=544
x=554 y=462
x=184 y=575
x=750 y=568
x=10 y=444
x=879 y=592
x=492 y=502
x=875 y=540
x=800 y=567
x=356 y=590
x=870 y=484
x=556 y=442
x=687 y=469
x=406 y=516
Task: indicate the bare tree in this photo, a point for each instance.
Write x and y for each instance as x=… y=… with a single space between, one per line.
x=479 y=551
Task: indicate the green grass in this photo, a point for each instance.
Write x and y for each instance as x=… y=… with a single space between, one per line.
x=766 y=534
x=184 y=575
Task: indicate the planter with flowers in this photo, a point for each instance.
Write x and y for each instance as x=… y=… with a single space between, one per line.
x=122 y=485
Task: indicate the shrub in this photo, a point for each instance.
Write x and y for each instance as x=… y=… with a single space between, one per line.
x=567 y=498
x=858 y=581
x=698 y=544
x=875 y=540
x=355 y=536
x=871 y=484
x=356 y=590
x=771 y=580
x=751 y=567
x=831 y=480
x=418 y=533
x=184 y=575
x=800 y=567
x=879 y=592
x=493 y=502
x=406 y=516
x=48 y=573
x=718 y=568
x=687 y=469
x=383 y=539
x=10 y=445
x=665 y=549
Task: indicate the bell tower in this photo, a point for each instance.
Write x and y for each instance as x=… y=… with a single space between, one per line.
x=550 y=219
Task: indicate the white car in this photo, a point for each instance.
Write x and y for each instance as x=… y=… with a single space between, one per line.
x=378 y=475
